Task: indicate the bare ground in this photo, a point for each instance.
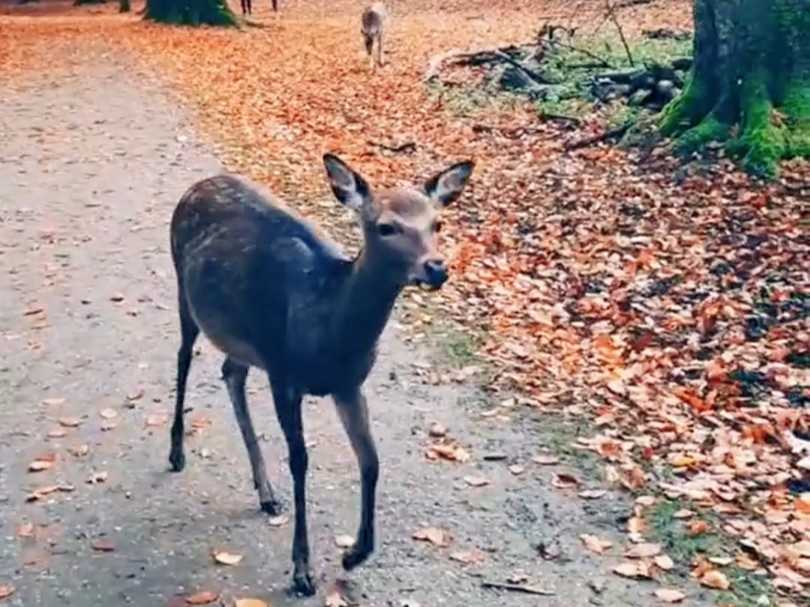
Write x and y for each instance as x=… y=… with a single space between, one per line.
x=91 y=164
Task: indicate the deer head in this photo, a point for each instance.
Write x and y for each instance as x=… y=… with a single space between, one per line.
x=400 y=225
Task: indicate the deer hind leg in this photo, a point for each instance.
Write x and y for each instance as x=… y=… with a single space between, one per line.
x=353 y=413
x=188 y=332
x=380 y=59
x=288 y=411
x=235 y=377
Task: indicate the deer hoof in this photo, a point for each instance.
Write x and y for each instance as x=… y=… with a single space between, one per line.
x=303 y=584
x=354 y=556
x=177 y=460
x=271 y=507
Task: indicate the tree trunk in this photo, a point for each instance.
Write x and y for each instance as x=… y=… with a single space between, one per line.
x=190 y=12
x=124 y=6
x=750 y=83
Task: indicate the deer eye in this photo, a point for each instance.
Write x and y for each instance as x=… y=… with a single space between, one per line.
x=437 y=226
x=387 y=229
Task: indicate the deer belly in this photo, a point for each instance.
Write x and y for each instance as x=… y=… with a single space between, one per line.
x=229 y=340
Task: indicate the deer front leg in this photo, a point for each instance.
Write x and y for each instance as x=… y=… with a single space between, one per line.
x=235 y=376
x=380 y=59
x=353 y=413
x=288 y=411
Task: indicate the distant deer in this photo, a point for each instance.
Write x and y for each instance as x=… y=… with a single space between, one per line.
x=270 y=292
x=374 y=29
x=247 y=7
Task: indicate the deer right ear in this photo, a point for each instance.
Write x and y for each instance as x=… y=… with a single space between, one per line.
x=347 y=185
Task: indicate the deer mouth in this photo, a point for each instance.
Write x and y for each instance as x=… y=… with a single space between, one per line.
x=424 y=285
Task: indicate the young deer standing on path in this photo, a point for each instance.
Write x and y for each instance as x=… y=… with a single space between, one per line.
x=374 y=28
x=270 y=292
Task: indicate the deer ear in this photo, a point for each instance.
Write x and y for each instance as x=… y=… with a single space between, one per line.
x=349 y=187
x=444 y=187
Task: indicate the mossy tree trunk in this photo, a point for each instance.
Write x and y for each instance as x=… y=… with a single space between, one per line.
x=750 y=83
x=190 y=12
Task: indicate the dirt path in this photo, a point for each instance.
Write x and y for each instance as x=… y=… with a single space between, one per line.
x=90 y=166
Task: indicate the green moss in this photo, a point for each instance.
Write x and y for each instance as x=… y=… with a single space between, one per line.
x=796 y=107
x=762 y=141
x=190 y=12
x=710 y=129
x=686 y=109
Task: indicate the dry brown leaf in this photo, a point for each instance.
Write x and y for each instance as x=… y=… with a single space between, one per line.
x=669 y=595
x=592 y=494
x=595 y=544
x=334 y=598
x=57 y=433
x=437 y=431
x=546 y=460
x=636 y=569
x=203 y=597
x=721 y=561
x=433 y=535
x=517 y=469
x=54 y=402
x=278 y=521
x=643 y=551
x=70 y=422
x=664 y=562
x=715 y=579
x=6 y=591
x=344 y=541
x=79 y=450
x=25 y=530
x=564 y=481
x=103 y=545
x=468 y=557
x=108 y=413
x=683 y=514
x=476 y=481
x=156 y=420
x=223 y=557
x=636 y=526
x=698 y=527
x=40 y=465
x=250 y=603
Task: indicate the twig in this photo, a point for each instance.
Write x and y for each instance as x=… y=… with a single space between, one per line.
x=517 y=588
x=612 y=12
x=606 y=136
x=602 y=61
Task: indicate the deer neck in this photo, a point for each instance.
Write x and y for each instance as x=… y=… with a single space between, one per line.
x=364 y=303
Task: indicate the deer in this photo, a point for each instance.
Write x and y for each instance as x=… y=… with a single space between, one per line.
x=374 y=23
x=247 y=7
x=270 y=291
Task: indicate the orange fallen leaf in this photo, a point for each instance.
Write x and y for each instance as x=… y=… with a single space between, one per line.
x=223 y=557
x=698 y=527
x=669 y=595
x=250 y=603
x=595 y=544
x=643 y=551
x=334 y=598
x=25 y=530
x=70 y=422
x=715 y=579
x=103 y=545
x=40 y=465
x=203 y=597
x=6 y=591
x=156 y=420
x=564 y=481
x=637 y=569
x=434 y=535
x=476 y=481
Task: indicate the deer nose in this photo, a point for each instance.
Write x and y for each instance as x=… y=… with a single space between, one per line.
x=435 y=272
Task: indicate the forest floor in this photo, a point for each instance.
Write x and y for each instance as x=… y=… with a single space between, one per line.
x=622 y=351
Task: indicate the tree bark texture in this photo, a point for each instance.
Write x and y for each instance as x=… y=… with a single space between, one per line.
x=749 y=85
x=190 y=12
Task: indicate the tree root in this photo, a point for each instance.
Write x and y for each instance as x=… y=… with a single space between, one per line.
x=708 y=130
x=687 y=109
x=796 y=107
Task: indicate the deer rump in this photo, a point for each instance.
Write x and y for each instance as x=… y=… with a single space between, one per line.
x=261 y=284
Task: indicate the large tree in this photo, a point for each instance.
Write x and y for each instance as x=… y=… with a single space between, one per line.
x=190 y=12
x=750 y=82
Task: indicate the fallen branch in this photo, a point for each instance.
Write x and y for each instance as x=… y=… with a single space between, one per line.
x=606 y=136
x=517 y=588
x=611 y=8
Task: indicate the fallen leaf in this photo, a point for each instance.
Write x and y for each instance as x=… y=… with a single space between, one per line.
x=564 y=481
x=278 y=521
x=156 y=420
x=517 y=469
x=468 y=557
x=664 y=562
x=54 y=402
x=546 y=460
x=203 y=597
x=437 y=431
x=344 y=541
x=70 y=422
x=57 y=433
x=434 y=535
x=683 y=514
x=79 y=450
x=40 y=465
x=137 y=394
x=334 y=598
x=721 y=561
x=517 y=578
x=103 y=545
x=595 y=544
x=223 y=557
x=108 y=413
x=25 y=530
x=6 y=591
x=476 y=481
x=250 y=603
x=96 y=477
x=643 y=551
x=592 y=494
x=669 y=595
x=715 y=579
x=698 y=527
x=637 y=569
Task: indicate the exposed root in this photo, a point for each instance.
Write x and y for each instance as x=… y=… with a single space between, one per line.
x=796 y=107
x=687 y=109
x=708 y=130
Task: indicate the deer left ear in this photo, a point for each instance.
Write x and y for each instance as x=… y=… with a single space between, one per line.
x=447 y=185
